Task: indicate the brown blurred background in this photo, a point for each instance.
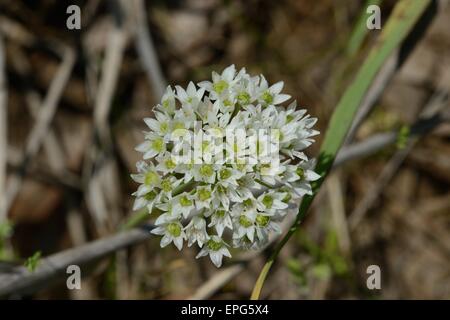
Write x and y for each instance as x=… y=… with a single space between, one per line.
x=74 y=109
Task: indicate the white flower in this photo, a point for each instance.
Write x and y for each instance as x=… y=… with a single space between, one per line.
x=183 y=204
x=196 y=231
x=171 y=232
x=153 y=146
x=190 y=97
x=160 y=125
x=166 y=163
x=244 y=224
x=168 y=185
x=271 y=95
x=203 y=197
x=264 y=226
x=300 y=176
x=216 y=249
x=210 y=148
x=221 y=84
x=204 y=172
x=220 y=220
x=271 y=201
x=167 y=101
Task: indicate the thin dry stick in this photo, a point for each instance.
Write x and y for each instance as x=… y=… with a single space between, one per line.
x=51 y=146
x=3 y=130
x=20 y=281
x=42 y=125
x=41 y=171
x=216 y=282
x=110 y=70
x=437 y=102
x=337 y=204
x=104 y=186
x=146 y=48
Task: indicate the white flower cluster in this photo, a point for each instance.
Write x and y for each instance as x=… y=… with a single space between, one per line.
x=198 y=200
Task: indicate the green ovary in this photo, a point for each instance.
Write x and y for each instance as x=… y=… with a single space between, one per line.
x=166 y=185
x=220 y=86
x=150 y=196
x=227 y=103
x=220 y=213
x=300 y=172
x=164 y=127
x=204 y=194
x=267 y=97
x=174 y=229
x=206 y=170
x=225 y=174
x=262 y=221
x=178 y=125
x=170 y=164
x=166 y=103
x=267 y=201
x=185 y=201
x=244 y=98
x=158 y=144
x=213 y=245
x=151 y=178
x=244 y=221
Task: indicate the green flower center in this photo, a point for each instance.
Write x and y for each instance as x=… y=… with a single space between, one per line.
x=166 y=103
x=170 y=164
x=225 y=174
x=287 y=198
x=164 y=127
x=227 y=103
x=243 y=98
x=158 y=144
x=244 y=221
x=300 y=172
x=206 y=170
x=220 y=213
x=214 y=245
x=178 y=125
x=276 y=133
x=205 y=145
x=248 y=203
x=262 y=221
x=289 y=118
x=267 y=201
x=151 y=178
x=150 y=196
x=204 y=194
x=267 y=97
x=174 y=229
x=220 y=86
x=166 y=185
x=185 y=201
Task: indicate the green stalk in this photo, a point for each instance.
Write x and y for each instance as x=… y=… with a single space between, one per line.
x=403 y=18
